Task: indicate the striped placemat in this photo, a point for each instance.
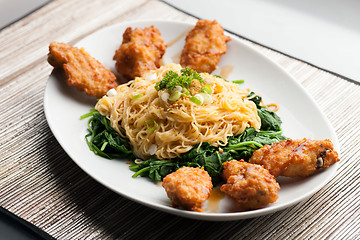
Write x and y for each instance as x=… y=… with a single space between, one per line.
x=42 y=185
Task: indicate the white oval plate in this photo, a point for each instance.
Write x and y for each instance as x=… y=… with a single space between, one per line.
x=301 y=117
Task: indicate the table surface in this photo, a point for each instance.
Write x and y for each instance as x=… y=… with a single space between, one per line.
x=42 y=185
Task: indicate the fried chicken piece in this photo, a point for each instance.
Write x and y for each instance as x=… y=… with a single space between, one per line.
x=81 y=70
x=250 y=185
x=296 y=158
x=204 y=46
x=188 y=188
x=140 y=51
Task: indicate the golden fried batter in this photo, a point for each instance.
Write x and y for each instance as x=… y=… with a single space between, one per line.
x=204 y=46
x=188 y=188
x=81 y=70
x=250 y=185
x=296 y=158
x=140 y=51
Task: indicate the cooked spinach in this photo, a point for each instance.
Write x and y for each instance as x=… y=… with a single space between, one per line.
x=245 y=144
x=270 y=121
x=154 y=168
x=256 y=99
x=104 y=140
x=206 y=156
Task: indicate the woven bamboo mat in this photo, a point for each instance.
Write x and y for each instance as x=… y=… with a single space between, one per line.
x=41 y=184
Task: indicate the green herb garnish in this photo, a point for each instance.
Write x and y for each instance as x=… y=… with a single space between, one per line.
x=136 y=96
x=206 y=89
x=151 y=125
x=175 y=96
x=196 y=99
x=238 y=81
x=172 y=79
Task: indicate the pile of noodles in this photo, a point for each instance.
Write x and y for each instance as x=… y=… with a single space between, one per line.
x=177 y=126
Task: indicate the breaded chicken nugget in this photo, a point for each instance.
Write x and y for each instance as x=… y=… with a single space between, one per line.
x=296 y=158
x=250 y=185
x=140 y=51
x=81 y=70
x=188 y=188
x=204 y=46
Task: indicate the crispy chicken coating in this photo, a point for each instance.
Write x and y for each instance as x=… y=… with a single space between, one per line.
x=250 y=185
x=81 y=70
x=204 y=46
x=140 y=51
x=188 y=188
x=296 y=158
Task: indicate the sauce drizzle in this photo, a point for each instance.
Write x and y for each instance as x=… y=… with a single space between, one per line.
x=172 y=42
x=176 y=57
x=213 y=202
x=226 y=70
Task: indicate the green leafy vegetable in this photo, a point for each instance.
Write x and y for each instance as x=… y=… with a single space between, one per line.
x=207 y=156
x=154 y=168
x=245 y=144
x=270 y=121
x=256 y=99
x=104 y=140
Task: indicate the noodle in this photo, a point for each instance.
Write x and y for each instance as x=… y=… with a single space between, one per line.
x=179 y=125
x=273 y=107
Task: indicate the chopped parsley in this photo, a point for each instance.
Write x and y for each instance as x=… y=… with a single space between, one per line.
x=172 y=79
